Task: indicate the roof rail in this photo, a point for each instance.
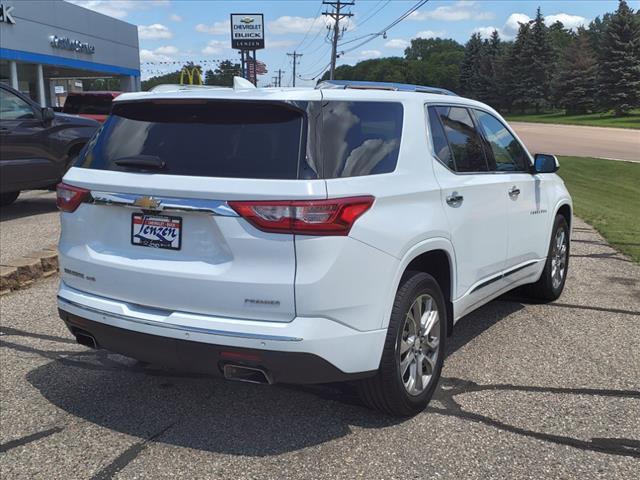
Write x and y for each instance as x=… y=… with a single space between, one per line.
x=364 y=85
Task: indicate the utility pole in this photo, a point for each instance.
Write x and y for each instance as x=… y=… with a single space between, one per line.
x=295 y=62
x=280 y=72
x=336 y=15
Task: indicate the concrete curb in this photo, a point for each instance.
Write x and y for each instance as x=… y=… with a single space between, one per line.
x=22 y=272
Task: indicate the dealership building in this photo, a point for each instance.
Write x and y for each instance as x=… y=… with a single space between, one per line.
x=47 y=49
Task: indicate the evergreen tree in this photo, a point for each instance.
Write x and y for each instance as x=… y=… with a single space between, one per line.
x=538 y=57
x=575 y=85
x=514 y=71
x=470 y=67
x=490 y=89
x=619 y=77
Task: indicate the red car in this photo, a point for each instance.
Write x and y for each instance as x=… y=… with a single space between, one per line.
x=94 y=105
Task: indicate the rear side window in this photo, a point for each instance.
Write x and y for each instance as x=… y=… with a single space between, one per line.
x=360 y=138
x=88 y=104
x=440 y=143
x=464 y=140
x=201 y=138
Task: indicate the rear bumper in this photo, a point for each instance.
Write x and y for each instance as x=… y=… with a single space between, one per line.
x=305 y=350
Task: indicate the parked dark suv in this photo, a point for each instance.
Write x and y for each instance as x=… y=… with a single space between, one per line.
x=37 y=145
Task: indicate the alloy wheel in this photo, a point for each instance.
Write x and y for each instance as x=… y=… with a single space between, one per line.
x=420 y=344
x=559 y=258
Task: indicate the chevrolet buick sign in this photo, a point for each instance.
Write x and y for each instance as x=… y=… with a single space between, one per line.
x=247 y=31
x=6 y=14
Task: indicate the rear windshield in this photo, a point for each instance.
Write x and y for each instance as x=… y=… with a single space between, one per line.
x=201 y=138
x=248 y=139
x=88 y=104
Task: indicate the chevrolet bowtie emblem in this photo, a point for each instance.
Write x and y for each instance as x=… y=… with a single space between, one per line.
x=247 y=20
x=147 y=203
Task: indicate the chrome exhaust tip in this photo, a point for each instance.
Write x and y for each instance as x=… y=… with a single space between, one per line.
x=240 y=373
x=86 y=339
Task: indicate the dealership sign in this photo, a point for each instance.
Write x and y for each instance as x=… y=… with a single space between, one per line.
x=73 y=45
x=5 y=14
x=247 y=31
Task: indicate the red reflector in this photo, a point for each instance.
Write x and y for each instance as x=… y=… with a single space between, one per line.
x=305 y=217
x=240 y=356
x=68 y=197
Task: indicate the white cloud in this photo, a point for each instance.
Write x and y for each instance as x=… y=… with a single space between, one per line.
x=287 y=24
x=569 y=21
x=175 y=18
x=512 y=25
x=154 y=32
x=429 y=34
x=162 y=54
x=485 y=32
x=216 y=28
x=280 y=43
x=367 y=54
x=118 y=8
x=166 y=50
x=461 y=10
x=510 y=28
x=215 y=47
x=397 y=43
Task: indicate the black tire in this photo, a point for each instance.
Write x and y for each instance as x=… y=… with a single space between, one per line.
x=8 y=198
x=544 y=289
x=386 y=391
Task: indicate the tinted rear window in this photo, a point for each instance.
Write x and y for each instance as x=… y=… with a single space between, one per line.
x=360 y=138
x=88 y=104
x=202 y=138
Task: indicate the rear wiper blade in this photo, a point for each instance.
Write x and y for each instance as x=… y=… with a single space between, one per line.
x=141 y=161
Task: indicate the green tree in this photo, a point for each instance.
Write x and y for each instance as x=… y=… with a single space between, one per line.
x=514 y=70
x=619 y=77
x=490 y=86
x=537 y=57
x=223 y=74
x=434 y=62
x=470 y=83
x=575 y=84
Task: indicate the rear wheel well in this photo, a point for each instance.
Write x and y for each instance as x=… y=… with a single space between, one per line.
x=437 y=264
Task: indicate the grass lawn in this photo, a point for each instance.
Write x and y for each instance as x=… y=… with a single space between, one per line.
x=606 y=194
x=590 y=119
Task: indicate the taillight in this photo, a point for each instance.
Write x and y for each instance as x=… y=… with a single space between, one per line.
x=68 y=197
x=304 y=217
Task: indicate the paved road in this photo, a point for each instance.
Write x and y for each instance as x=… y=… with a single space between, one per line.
x=30 y=224
x=573 y=140
x=528 y=391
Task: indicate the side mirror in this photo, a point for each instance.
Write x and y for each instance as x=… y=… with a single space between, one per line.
x=544 y=163
x=48 y=114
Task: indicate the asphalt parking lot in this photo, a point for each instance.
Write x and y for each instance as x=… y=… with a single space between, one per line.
x=528 y=391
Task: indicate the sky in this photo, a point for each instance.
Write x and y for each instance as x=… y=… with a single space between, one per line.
x=199 y=31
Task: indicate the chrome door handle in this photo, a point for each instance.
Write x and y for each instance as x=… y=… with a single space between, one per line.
x=455 y=199
x=514 y=192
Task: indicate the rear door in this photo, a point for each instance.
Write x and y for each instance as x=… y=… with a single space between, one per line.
x=159 y=233
x=474 y=201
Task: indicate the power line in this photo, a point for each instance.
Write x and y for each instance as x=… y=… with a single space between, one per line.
x=315 y=19
x=336 y=15
x=295 y=61
x=372 y=36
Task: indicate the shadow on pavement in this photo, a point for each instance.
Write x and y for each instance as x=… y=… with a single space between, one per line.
x=214 y=415
x=28 y=204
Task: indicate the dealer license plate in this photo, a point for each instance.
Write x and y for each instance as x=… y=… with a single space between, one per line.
x=157 y=231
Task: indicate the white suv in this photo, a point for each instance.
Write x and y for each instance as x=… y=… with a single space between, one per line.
x=304 y=235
